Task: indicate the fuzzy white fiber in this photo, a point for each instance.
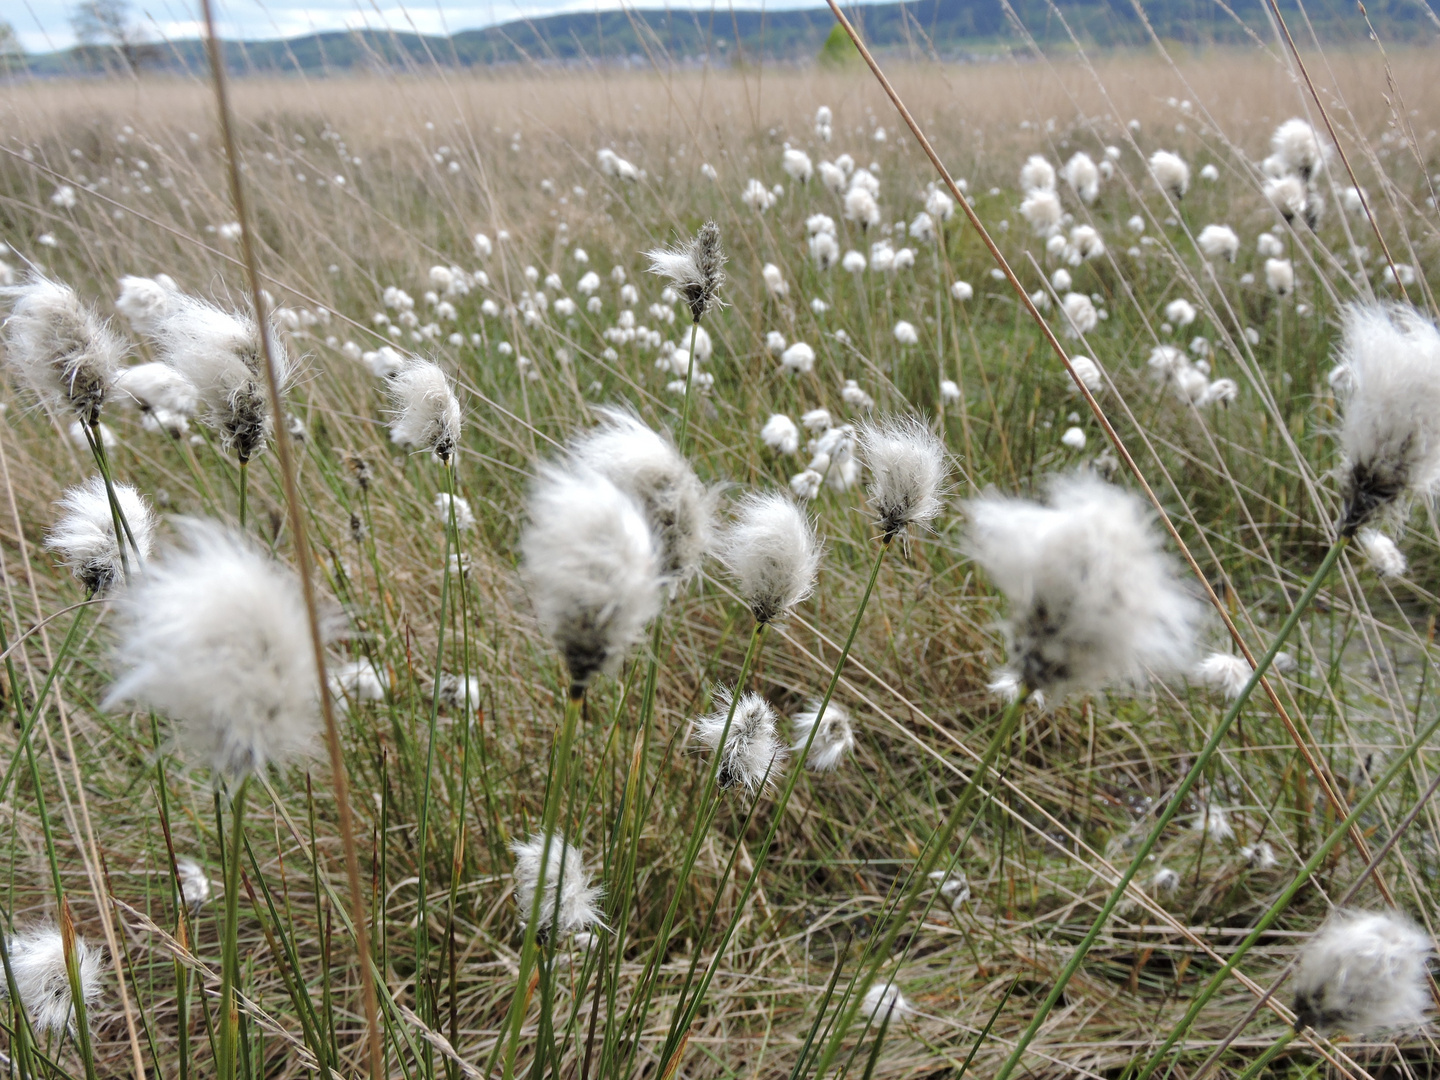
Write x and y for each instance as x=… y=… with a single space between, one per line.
x=907 y=465
x=1088 y=372
x=780 y=434
x=1363 y=971
x=771 y=553
x=61 y=351
x=646 y=466
x=37 y=960
x=222 y=356
x=1170 y=172
x=1299 y=147
x=160 y=391
x=194 y=884
x=806 y=484
x=797 y=165
x=1093 y=598
x=1165 y=880
x=1219 y=242
x=84 y=534
x=144 y=301
x=752 y=756
x=464 y=516
x=568 y=902
x=1289 y=195
x=1382 y=553
x=215 y=636
x=834 y=739
x=954 y=886
x=592 y=568
x=884 y=1001
x=1037 y=174
x=1214 y=822
x=426 y=411
x=1225 y=672
x=357 y=680
x=798 y=358
x=1082 y=174
x=1280 y=276
x=1390 y=434
x=1042 y=210
x=1080 y=314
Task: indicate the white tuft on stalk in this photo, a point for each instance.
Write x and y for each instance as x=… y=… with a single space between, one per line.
x=1037 y=174
x=1224 y=672
x=222 y=356
x=84 y=534
x=1299 y=148
x=1382 y=553
x=215 y=636
x=426 y=411
x=752 y=755
x=144 y=301
x=61 y=351
x=884 y=1001
x=696 y=269
x=1082 y=174
x=1170 y=172
x=907 y=473
x=1093 y=598
x=771 y=553
x=780 y=434
x=568 y=902
x=1390 y=434
x=37 y=961
x=1219 y=242
x=194 y=884
x=834 y=739
x=592 y=569
x=646 y=466
x=165 y=398
x=1363 y=971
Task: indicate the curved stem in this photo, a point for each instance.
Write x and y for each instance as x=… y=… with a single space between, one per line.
x=682 y=439
x=244 y=484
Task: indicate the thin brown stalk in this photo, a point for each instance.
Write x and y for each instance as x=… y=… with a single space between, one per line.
x=359 y=916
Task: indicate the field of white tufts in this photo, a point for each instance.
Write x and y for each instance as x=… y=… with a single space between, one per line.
x=606 y=575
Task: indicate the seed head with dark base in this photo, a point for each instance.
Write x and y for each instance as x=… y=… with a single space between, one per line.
x=696 y=268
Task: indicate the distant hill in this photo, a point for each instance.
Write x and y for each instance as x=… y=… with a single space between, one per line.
x=921 y=29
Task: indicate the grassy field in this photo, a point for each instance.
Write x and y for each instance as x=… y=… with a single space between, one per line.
x=750 y=961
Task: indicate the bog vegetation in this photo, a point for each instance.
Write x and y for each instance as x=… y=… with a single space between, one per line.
x=748 y=648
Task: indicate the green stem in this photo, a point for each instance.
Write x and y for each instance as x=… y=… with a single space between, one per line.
x=244 y=483
x=1270 y=1055
x=117 y=516
x=554 y=793
x=682 y=440
x=1173 y=807
x=229 y=946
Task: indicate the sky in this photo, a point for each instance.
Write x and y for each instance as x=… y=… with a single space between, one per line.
x=44 y=25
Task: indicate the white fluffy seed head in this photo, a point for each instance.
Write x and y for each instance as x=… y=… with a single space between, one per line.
x=1170 y=172
x=84 y=534
x=426 y=411
x=1299 y=148
x=1390 y=434
x=1043 y=211
x=215 y=636
x=1214 y=822
x=771 y=553
x=592 y=569
x=907 y=465
x=646 y=466
x=194 y=884
x=61 y=351
x=1363 y=971
x=1037 y=174
x=1219 y=242
x=696 y=269
x=1093 y=598
x=1382 y=553
x=222 y=356
x=834 y=738
x=884 y=1001
x=1082 y=174
x=1224 y=672
x=37 y=961
x=752 y=755
x=144 y=301
x=568 y=902
x=781 y=434
x=157 y=388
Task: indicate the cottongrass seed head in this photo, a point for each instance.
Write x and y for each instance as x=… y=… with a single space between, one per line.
x=194 y=884
x=215 y=636
x=771 y=553
x=1093 y=597
x=1390 y=433
x=61 y=351
x=1225 y=672
x=752 y=756
x=37 y=961
x=592 y=569
x=568 y=902
x=1363 y=971
x=426 y=411
x=834 y=738
x=222 y=355
x=1382 y=553
x=646 y=466
x=883 y=1002
x=84 y=534
x=907 y=473
x=696 y=268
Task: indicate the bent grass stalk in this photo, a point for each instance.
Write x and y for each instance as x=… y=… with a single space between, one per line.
x=229 y=942
x=1173 y=808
